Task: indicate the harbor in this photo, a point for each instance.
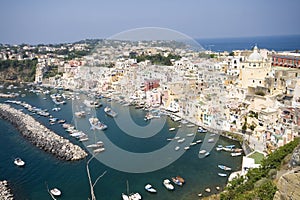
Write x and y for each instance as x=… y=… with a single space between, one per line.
x=199 y=174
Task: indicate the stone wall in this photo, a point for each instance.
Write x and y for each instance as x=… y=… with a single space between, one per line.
x=41 y=136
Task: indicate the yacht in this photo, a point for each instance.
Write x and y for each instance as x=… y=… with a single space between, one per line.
x=19 y=162
x=96 y=124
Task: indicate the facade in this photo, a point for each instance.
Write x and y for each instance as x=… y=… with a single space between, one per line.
x=286 y=59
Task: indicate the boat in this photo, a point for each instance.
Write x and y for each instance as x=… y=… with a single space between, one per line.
x=96 y=124
x=99 y=150
x=96 y=145
x=236 y=154
x=92 y=104
x=80 y=114
x=203 y=151
x=224 y=167
x=190 y=125
x=125 y=197
x=207 y=190
x=198 y=141
x=190 y=134
x=55 y=192
x=177 y=148
x=19 y=162
x=148 y=116
x=219 y=148
x=110 y=112
x=133 y=196
x=176 y=138
x=150 y=189
x=171 y=129
x=206 y=154
x=211 y=140
x=186 y=148
x=201 y=130
x=193 y=143
x=230 y=146
x=181 y=140
x=176 y=181
x=222 y=174
x=180 y=179
x=167 y=183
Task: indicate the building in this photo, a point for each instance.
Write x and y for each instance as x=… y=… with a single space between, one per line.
x=286 y=59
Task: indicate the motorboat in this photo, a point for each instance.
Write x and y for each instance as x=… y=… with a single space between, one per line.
x=181 y=140
x=206 y=154
x=176 y=181
x=224 y=167
x=186 y=148
x=110 y=112
x=203 y=151
x=135 y=196
x=150 y=189
x=99 y=150
x=236 y=154
x=125 y=197
x=96 y=124
x=201 y=130
x=55 y=192
x=198 y=141
x=222 y=174
x=19 y=162
x=180 y=179
x=211 y=140
x=80 y=114
x=167 y=183
x=190 y=125
x=219 y=148
x=190 y=134
x=171 y=129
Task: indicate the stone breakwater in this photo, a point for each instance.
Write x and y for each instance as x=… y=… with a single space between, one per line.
x=41 y=136
x=5 y=191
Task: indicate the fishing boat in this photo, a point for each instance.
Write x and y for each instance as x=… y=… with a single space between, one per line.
x=150 y=189
x=224 y=167
x=19 y=162
x=176 y=181
x=219 y=148
x=186 y=148
x=222 y=174
x=99 y=150
x=96 y=124
x=55 y=192
x=110 y=112
x=167 y=183
x=206 y=154
x=181 y=140
x=235 y=154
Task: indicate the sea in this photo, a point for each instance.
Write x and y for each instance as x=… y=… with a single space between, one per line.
x=44 y=171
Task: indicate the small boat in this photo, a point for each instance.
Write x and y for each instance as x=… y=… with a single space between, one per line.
x=193 y=143
x=230 y=146
x=203 y=151
x=171 y=129
x=93 y=146
x=170 y=139
x=80 y=114
x=150 y=189
x=177 y=148
x=224 y=167
x=211 y=140
x=222 y=174
x=190 y=134
x=55 y=192
x=180 y=179
x=206 y=154
x=176 y=181
x=198 y=141
x=176 y=138
x=207 y=190
x=19 y=162
x=167 y=183
x=235 y=154
x=61 y=121
x=110 y=112
x=219 y=148
x=125 y=197
x=96 y=124
x=99 y=150
x=201 y=130
x=181 y=140
x=190 y=125
x=186 y=148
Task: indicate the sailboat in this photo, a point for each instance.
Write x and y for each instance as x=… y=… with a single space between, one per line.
x=133 y=196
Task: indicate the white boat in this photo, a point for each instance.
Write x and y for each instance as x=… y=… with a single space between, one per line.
x=177 y=148
x=190 y=134
x=211 y=140
x=181 y=140
x=176 y=138
x=203 y=151
x=171 y=129
x=206 y=154
x=190 y=125
x=150 y=189
x=96 y=124
x=186 y=148
x=80 y=114
x=92 y=104
x=110 y=112
x=222 y=174
x=167 y=183
x=201 y=130
x=176 y=181
x=224 y=167
x=125 y=197
x=55 y=192
x=193 y=143
x=235 y=154
x=198 y=141
x=99 y=150
x=19 y=162
x=96 y=145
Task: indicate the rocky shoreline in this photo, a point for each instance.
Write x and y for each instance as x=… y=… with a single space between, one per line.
x=41 y=136
x=5 y=193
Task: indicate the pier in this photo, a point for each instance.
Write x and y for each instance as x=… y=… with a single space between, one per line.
x=41 y=136
x=5 y=192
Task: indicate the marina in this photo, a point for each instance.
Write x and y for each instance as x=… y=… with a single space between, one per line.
x=59 y=171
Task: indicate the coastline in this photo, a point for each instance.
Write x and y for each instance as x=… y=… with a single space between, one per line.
x=41 y=136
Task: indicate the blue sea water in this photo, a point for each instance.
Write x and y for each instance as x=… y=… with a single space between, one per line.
x=277 y=43
x=43 y=169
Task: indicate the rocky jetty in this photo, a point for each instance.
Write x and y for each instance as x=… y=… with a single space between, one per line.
x=41 y=136
x=5 y=191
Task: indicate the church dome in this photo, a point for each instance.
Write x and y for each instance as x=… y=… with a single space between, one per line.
x=255 y=56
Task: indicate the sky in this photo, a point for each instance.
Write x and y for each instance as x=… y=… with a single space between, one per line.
x=59 y=21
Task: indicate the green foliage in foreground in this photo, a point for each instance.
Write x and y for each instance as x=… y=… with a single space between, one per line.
x=258 y=182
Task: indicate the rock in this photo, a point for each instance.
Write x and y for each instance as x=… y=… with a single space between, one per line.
x=288 y=186
x=41 y=136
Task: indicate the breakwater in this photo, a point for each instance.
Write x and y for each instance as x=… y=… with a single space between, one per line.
x=41 y=136
x=5 y=193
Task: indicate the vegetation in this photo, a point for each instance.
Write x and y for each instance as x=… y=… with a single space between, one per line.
x=18 y=70
x=52 y=71
x=157 y=59
x=258 y=183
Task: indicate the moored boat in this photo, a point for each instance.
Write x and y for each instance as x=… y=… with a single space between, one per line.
x=222 y=174
x=201 y=130
x=96 y=124
x=236 y=154
x=176 y=181
x=167 y=183
x=180 y=179
x=150 y=189
x=171 y=129
x=224 y=167
x=55 y=192
x=19 y=162
x=110 y=112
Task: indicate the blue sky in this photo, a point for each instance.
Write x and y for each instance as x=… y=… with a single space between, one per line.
x=55 y=21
